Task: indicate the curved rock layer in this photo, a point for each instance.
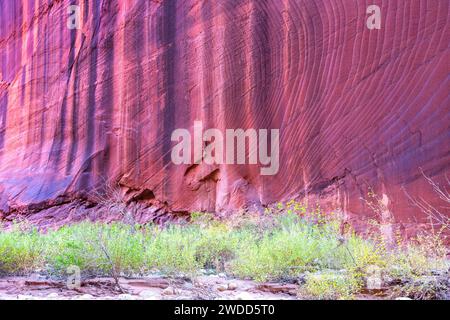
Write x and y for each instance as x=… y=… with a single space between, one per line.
x=95 y=107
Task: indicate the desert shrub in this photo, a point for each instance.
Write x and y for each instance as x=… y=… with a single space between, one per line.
x=21 y=251
x=216 y=246
x=202 y=218
x=359 y=253
x=417 y=259
x=172 y=250
x=187 y=249
x=74 y=245
x=289 y=249
x=424 y=288
x=284 y=243
x=330 y=286
x=123 y=247
x=97 y=249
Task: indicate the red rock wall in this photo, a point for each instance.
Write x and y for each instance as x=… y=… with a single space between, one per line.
x=95 y=106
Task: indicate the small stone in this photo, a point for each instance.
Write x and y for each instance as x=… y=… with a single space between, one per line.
x=222 y=287
x=85 y=297
x=403 y=298
x=168 y=291
x=232 y=286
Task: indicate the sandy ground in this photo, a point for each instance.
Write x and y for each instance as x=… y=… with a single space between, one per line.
x=149 y=288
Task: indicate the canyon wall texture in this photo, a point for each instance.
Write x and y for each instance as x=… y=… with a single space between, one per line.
x=94 y=108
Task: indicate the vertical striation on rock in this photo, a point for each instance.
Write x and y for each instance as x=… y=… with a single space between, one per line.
x=356 y=108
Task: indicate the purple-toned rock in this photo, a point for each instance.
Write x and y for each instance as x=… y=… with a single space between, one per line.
x=95 y=107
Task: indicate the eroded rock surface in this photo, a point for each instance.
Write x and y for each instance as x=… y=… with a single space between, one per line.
x=95 y=107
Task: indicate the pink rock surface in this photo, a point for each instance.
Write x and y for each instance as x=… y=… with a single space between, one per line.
x=95 y=107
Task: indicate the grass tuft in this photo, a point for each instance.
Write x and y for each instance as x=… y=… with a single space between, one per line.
x=290 y=242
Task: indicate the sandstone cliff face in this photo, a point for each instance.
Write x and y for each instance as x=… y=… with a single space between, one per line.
x=95 y=107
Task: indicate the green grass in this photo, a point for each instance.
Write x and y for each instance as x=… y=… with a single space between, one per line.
x=96 y=248
x=281 y=245
x=330 y=285
x=21 y=252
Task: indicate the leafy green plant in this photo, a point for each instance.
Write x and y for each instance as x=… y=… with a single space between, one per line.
x=330 y=286
x=288 y=242
x=21 y=251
